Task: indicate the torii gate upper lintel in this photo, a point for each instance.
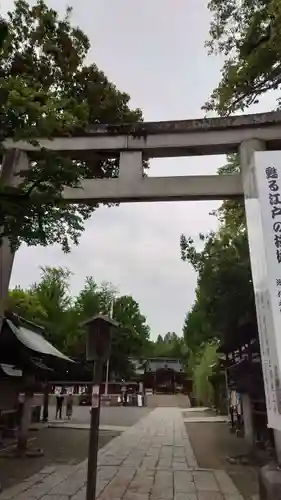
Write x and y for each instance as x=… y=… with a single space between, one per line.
x=138 y=141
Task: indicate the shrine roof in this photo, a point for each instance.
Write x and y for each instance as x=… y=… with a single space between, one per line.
x=36 y=342
x=23 y=343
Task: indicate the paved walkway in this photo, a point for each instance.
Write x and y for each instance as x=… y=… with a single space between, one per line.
x=153 y=460
x=195 y=409
x=203 y=419
x=56 y=424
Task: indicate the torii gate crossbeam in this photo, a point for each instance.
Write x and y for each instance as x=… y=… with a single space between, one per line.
x=133 y=143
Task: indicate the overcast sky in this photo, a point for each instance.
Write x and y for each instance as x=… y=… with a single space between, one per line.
x=153 y=50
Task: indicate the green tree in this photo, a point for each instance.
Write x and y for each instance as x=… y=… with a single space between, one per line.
x=25 y=304
x=196 y=328
x=203 y=369
x=248 y=34
x=90 y=301
x=53 y=293
x=132 y=338
x=47 y=89
x=50 y=304
x=94 y=299
x=231 y=213
x=224 y=294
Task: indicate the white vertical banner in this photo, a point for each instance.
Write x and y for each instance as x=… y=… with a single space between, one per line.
x=95 y=396
x=262 y=188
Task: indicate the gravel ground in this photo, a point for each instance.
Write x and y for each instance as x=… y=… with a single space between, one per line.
x=212 y=443
x=61 y=446
x=66 y=446
x=110 y=415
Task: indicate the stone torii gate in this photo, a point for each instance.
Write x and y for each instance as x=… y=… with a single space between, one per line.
x=134 y=143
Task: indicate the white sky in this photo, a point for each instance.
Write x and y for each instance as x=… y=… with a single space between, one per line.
x=153 y=50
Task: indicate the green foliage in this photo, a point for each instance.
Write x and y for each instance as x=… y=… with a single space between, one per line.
x=94 y=299
x=231 y=213
x=248 y=34
x=196 y=329
x=25 y=304
x=47 y=89
x=202 y=388
x=169 y=346
x=132 y=338
x=50 y=304
x=224 y=294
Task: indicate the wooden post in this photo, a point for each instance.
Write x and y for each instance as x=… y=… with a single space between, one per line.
x=24 y=424
x=28 y=384
x=45 y=415
x=94 y=435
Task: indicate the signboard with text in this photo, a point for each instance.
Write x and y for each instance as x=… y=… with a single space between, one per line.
x=262 y=187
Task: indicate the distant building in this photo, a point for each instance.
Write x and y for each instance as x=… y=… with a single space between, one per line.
x=166 y=375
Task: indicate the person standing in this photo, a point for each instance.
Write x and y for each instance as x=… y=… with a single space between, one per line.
x=69 y=405
x=125 y=397
x=59 y=404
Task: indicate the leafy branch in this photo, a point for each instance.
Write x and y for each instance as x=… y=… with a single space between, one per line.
x=46 y=89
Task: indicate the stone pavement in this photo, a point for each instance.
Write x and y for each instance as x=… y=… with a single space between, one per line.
x=211 y=419
x=195 y=409
x=64 y=424
x=153 y=460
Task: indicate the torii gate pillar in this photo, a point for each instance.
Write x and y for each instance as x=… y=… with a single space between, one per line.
x=261 y=178
x=14 y=161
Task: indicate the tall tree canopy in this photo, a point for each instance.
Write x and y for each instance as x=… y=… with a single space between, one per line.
x=169 y=345
x=224 y=294
x=47 y=88
x=50 y=304
x=133 y=337
x=248 y=34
